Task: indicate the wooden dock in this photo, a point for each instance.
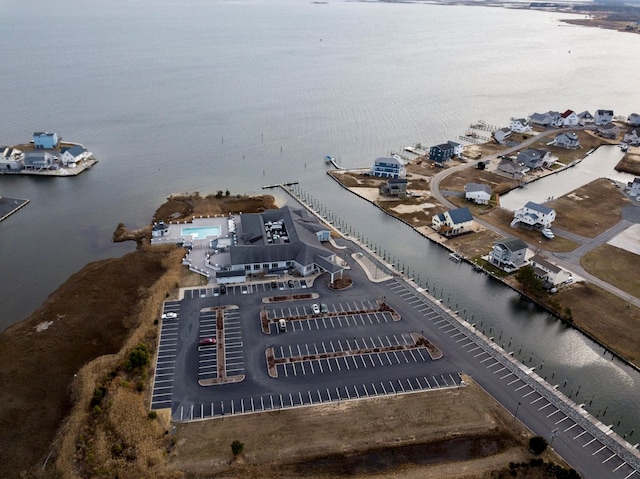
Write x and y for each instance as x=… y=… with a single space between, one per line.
x=279 y=185
x=9 y=206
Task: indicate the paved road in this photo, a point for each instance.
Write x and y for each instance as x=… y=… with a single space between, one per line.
x=590 y=448
x=569 y=261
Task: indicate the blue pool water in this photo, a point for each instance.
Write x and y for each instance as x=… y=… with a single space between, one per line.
x=201 y=232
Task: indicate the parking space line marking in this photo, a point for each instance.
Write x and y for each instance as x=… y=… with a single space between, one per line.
x=609 y=458
x=529 y=393
x=582 y=433
x=599 y=450
x=571 y=427
x=624 y=463
x=592 y=440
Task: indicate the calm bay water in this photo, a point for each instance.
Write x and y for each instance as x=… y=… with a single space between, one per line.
x=209 y=95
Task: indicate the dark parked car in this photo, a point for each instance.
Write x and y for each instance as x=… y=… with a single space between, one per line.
x=207 y=341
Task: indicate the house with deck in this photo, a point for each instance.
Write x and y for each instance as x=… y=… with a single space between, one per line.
x=551 y=274
x=458 y=148
x=45 y=140
x=511 y=169
x=11 y=159
x=609 y=130
x=520 y=125
x=534 y=158
x=441 y=153
x=533 y=216
x=478 y=193
x=568 y=140
x=603 y=117
x=585 y=117
x=633 y=187
x=395 y=187
x=633 y=119
x=570 y=118
x=632 y=137
x=453 y=222
x=390 y=167
x=502 y=135
x=72 y=156
x=39 y=160
x=509 y=254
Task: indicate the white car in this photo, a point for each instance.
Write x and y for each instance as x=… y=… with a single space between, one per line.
x=170 y=315
x=315 y=308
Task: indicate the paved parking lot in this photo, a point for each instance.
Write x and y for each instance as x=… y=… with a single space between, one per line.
x=165 y=361
x=208 y=361
x=249 y=288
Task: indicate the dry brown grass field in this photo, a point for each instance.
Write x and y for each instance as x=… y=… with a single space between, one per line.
x=616 y=266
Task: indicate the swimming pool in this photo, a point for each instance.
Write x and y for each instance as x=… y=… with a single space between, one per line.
x=200 y=232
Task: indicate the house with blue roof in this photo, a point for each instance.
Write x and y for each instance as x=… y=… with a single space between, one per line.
x=534 y=216
x=44 y=140
x=390 y=167
x=453 y=222
x=441 y=153
x=74 y=155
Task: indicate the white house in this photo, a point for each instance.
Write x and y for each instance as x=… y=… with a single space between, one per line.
x=478 y=193
x=509 y=254
x=633 y=119
x=72 y=156
x=458 y=148
x=585 y=117
x=633 y=187
x=520 y=125
x=603 y=116
x=501 y=135
x=534 y=215
x=453 y=222
x=390 y=167
x=570 y=118
x=549 y=272
x=11 y=159
x=568 y=140
x=541 y=119
x=632 y=138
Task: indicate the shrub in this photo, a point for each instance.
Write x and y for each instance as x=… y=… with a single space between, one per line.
x=140 y=386
x=537 y=445
x=152 y=415
x=237 y=447
x=98 y=394
x=137 y=358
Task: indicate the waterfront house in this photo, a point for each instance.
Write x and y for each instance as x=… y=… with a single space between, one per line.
x=441 y=153
x=540 y=119
x=508 y=254
x=534 y=216
x=395 y=187
x=633 y=187
x=569 y=118
x=633 y=119
x=458 y=148
x=609 y=131
x=45 y=140
x=632 y=138
x=501 y=135
x=390 y=167
x=548 y=272
x=159 y=229
x=38 y=160
x=520 y=125
x=603 y=116
x=534 y=158
x=453 y=222
x=511 y=169
x=568 y=140
x=11 y=159
x=585 y=117
x=72 y=156
x=478 y=193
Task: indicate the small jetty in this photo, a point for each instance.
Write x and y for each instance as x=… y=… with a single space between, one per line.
x=455 y=257
x=279 y=185
x=9 y=206
x=330 y=159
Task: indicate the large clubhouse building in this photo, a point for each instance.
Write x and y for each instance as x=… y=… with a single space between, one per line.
x=232 y=248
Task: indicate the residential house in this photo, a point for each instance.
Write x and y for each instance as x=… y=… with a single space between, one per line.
x=159 y=229
x=502 y=135
x=453 y=222
x=534 y=158
x=512 y=169
x=548 y=272
x=458 y=148
x=633 y=119
x=508 y=254
x=585 y=117
x=568 y=140
x=388 y=168
x=520 y=125
x=38 y=160
x=541 y=119
x=633 y=187
x=609 y=131
x=534 y=216
x=72 y=156
x=395 y=187
x=11 y=159
x=603 y=116
x=441 y=153
x=569 y=118
x=45 y=140
x=632 y=138
x=478 y=193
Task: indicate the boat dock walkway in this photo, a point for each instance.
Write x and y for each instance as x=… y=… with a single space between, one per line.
x=8 y=206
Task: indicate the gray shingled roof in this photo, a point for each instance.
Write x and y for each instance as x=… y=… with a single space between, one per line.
x=538 y=207
x=513 y=244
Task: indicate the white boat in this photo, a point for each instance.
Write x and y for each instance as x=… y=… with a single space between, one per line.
x=547 y=233
x=455 y=257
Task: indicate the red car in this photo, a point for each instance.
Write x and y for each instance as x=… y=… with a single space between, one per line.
x=207 y=341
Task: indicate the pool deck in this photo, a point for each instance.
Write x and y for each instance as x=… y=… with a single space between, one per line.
x=8 y=206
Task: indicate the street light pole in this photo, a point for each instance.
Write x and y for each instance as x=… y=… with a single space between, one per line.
x=515 y=414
